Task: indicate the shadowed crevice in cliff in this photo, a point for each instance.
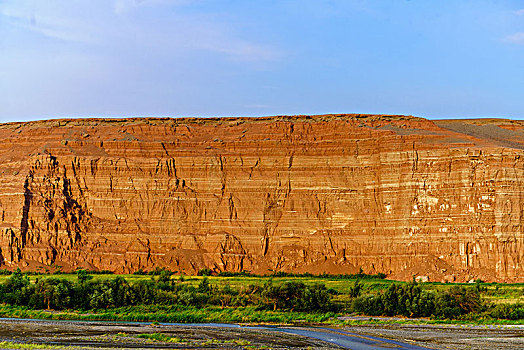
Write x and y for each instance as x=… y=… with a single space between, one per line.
x=233 y=256
x=275 y=201
x=28 y=197
x=75 y=212
x=52 y=219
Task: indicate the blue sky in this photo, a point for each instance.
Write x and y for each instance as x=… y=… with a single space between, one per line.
x=116 y=58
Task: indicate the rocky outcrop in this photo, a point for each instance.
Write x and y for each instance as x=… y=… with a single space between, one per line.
x=335 y=193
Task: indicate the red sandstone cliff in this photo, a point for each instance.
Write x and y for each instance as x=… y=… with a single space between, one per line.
x=393 y=194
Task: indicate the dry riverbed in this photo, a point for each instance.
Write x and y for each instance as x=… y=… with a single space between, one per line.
x=456 y=337
x=43 y=334
x=79 y=334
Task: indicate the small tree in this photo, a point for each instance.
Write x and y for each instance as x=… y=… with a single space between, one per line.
x=204 y=272
x=356 y=289
x=83 y=276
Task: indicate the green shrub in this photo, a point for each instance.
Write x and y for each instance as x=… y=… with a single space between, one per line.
x=356 y=289
x=83 y=276
x=205 y=272
x=369 y=305
x=506 y=311
x=297 y=296
x=412 y=301
x=457 y=301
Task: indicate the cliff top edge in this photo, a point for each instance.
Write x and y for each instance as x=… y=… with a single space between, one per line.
x=93 y=121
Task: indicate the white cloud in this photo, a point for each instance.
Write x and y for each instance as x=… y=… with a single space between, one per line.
x=516 y=38
x=122 y=6
x=135 y=25
x=50 y=20
x=520 y=12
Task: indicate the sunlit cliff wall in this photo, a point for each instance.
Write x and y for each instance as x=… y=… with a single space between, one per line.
x=400 y=195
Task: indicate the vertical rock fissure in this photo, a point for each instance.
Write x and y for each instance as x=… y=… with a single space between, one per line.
x=24 y=222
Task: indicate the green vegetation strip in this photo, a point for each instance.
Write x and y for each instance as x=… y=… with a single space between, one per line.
x=282 y=298
x=183 y=314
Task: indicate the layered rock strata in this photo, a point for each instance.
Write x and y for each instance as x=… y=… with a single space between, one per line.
x=394 y=194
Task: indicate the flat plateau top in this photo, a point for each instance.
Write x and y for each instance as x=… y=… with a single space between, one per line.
x=470 y=133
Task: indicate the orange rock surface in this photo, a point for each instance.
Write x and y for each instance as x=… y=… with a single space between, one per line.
x=394 y=194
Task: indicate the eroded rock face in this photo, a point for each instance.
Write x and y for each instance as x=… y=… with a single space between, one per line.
x=400 y=195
